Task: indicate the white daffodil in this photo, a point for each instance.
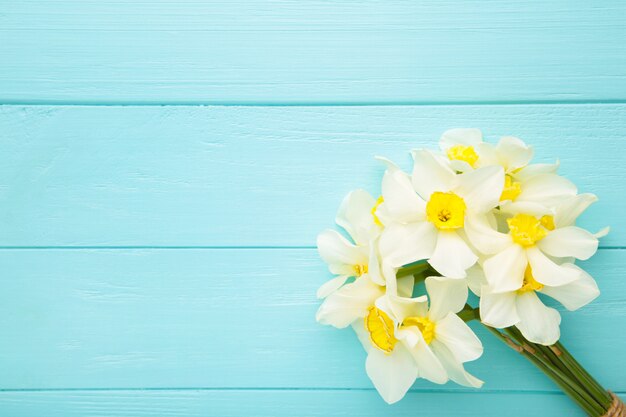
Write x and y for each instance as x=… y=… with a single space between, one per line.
x=526 y=186
x=405 y=339
x=535 y=241
x=349 y=303
x=391 y=367
x=426 y=213
x=524 y=309
x=352 y=301
x=357 y=215
x=466 y=151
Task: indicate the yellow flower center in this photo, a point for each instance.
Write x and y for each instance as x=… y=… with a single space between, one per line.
x=380 y=328
x=463 y=153
x=530 y=284
x=427 y=327
x=547 y=222
x=360 y=270
x=526 y=230
x=511 y=189
x=446 y=210
x=378 y=203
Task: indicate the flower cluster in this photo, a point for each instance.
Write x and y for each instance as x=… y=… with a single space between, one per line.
x=471 y=216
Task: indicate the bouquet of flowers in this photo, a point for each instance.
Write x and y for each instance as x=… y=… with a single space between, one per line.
x=471 y=217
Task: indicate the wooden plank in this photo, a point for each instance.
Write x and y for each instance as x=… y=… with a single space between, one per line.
x=271 y=403
x=295 y=51
x=230 y=318
x=256 y=176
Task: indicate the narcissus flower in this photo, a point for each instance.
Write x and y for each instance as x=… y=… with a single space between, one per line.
x=530 y=187
x=426 y=214
x=524 y=309
x=484 y=217
x=535 y=241
x=466 y=151
x=357 y=216
x=404 y=339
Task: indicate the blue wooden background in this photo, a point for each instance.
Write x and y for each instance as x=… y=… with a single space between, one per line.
x=167 y=164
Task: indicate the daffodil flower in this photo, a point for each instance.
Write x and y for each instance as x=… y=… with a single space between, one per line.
x=526 y=186
x=405 y=339
x=524 y=309
x=534 y=241
x=426 y=213
x=466 y=151
x=357 y=216
x=352 y=301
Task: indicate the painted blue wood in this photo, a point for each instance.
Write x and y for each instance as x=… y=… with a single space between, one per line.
x=233 y=318
x=256 y=176
x=204 y=302
x=297 y=51
x=274 y=403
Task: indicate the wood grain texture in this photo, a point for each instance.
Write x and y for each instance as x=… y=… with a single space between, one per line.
x=271 y=403
x=231 y=318
x=256 y=176
x=295 y=51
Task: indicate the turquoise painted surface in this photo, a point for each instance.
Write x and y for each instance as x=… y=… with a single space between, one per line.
x=167 y=165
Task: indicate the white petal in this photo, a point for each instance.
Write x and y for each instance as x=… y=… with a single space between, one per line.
x=349 y=303
x=453 y=367
x=498 y=309
x=374 y=268
x=459 y=338
x=484 y=237
x=533 y=170
x=452 y=256
x=602 y=232
x=362 y=334
x=481 y=188
x=403 y=307
x=460 y=166
x=392 y=374
x=486 y=154
x=409 y=336
x=405 y=286
x=513 y=153
x=538 y=324
x=460 y=136
x=505 y=270
x=401 y=202
x=336 y=251
x=547 y=189
x=575 y=294
x=389 y=273
x=525 y=207
x=568 y=211
x=476 y=279
x=429 y=367
x=403 y=244
x=446 y=295
x=569 y=241
x=430 y=174
x=355 y=216
x=547 y=271
x=331 y=286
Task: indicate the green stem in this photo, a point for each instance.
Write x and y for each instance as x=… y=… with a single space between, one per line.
x=546 y=370
x=598 y=391
x=592 y=405
x=469 y=313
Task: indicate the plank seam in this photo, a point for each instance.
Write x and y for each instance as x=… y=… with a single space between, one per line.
x=321 y=389
x=62 y=103
x=157 y=247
